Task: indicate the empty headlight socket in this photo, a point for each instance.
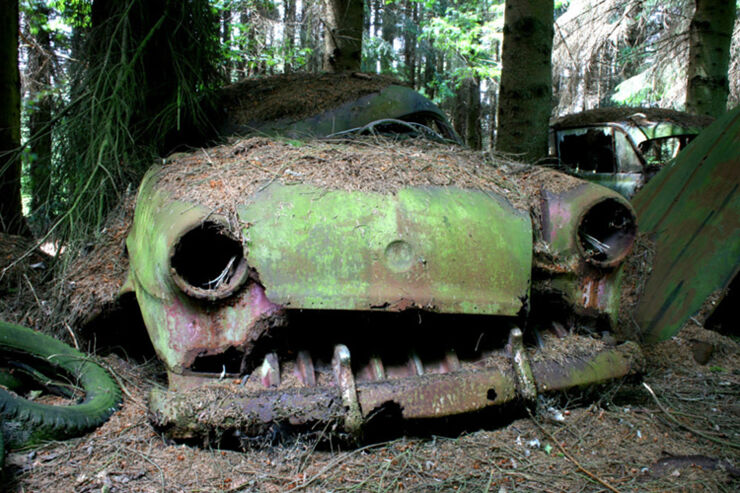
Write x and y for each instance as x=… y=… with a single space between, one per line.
x=208 y=261
x=606 y=232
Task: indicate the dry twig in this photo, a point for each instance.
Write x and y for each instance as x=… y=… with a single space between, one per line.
x=687 y=427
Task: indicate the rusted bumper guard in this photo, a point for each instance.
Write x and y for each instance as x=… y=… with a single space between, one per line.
x=518 y=373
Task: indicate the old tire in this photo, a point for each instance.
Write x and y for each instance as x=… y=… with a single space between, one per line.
x=24 y=422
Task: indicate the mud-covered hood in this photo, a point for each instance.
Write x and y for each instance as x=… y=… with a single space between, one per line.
x=443 y=249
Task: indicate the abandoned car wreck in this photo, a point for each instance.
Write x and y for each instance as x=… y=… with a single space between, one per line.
x=326 y=283
x=621 y=148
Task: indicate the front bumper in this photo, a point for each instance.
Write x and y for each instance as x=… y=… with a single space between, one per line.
x=348 y=404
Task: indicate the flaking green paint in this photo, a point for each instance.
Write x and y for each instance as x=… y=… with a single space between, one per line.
x=314 y=248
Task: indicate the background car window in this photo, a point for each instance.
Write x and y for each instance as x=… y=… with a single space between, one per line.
x=590 y=149
x=658 y=151
x=629 y=161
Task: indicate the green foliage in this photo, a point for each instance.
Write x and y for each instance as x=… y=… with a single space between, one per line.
x=75 y=13
x=633 y=91
x=126 y=86
x=249 y=42
x=472 y=37
x=148 y=75
x=375 y=49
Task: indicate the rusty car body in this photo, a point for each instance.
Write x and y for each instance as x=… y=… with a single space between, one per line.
x=621 y=148
x=326 y=284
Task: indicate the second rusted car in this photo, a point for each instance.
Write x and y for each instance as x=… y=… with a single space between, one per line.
x=623 y=147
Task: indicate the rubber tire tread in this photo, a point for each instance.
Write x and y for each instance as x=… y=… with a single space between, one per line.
x=43 y=421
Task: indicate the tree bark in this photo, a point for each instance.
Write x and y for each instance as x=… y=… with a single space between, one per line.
x=11 y=211
x=39 y=69
x=226 y=39
x=467 y=112
x=388 y=33
x=473 y=137
x=289 y=19
x=525 y=97
x=409 y=42
x=343 y=37
x=710 y=33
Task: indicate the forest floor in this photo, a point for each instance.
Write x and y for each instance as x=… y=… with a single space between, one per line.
x=677 y=428
x=623 y=438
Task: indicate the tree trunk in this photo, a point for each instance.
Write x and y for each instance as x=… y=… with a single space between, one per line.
x=710 y=34
x=290 y=16
x=473 y=138
x=39 y=69
x=409 y=41
x=226 y=39
x=429 y=73
x=388 y=33
x=343 y=37
x=310 y=32
x=492 y=108
x=467 y=112
x=11 y=212
x=526 y=78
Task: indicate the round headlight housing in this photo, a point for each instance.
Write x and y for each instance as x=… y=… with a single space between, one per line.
x=606 y=232
x=207 y=262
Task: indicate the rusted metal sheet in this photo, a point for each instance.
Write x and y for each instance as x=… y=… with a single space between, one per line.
x=432 y=395
x=691 y=210
x=442 y=249
x=591 y=287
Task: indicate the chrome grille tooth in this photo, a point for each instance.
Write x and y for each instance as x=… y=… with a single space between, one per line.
x=451 y=361
x=415 y=363
x=342 y=366
x=559 y=330
x=305 y=369
x=377 y=369
x=270 y=371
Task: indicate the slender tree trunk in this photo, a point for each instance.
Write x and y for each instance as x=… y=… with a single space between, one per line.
x=409 y=42
x=343 y=37
x=226 y=40
x=429 y=65
x=289 y=19
x=309 y=34
x=467 y=112
x=710 y=34
x=492 y=108
x=11 y=212
x=388 y=33
x=39 y=69
x=473 y=138
x=526 y=78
